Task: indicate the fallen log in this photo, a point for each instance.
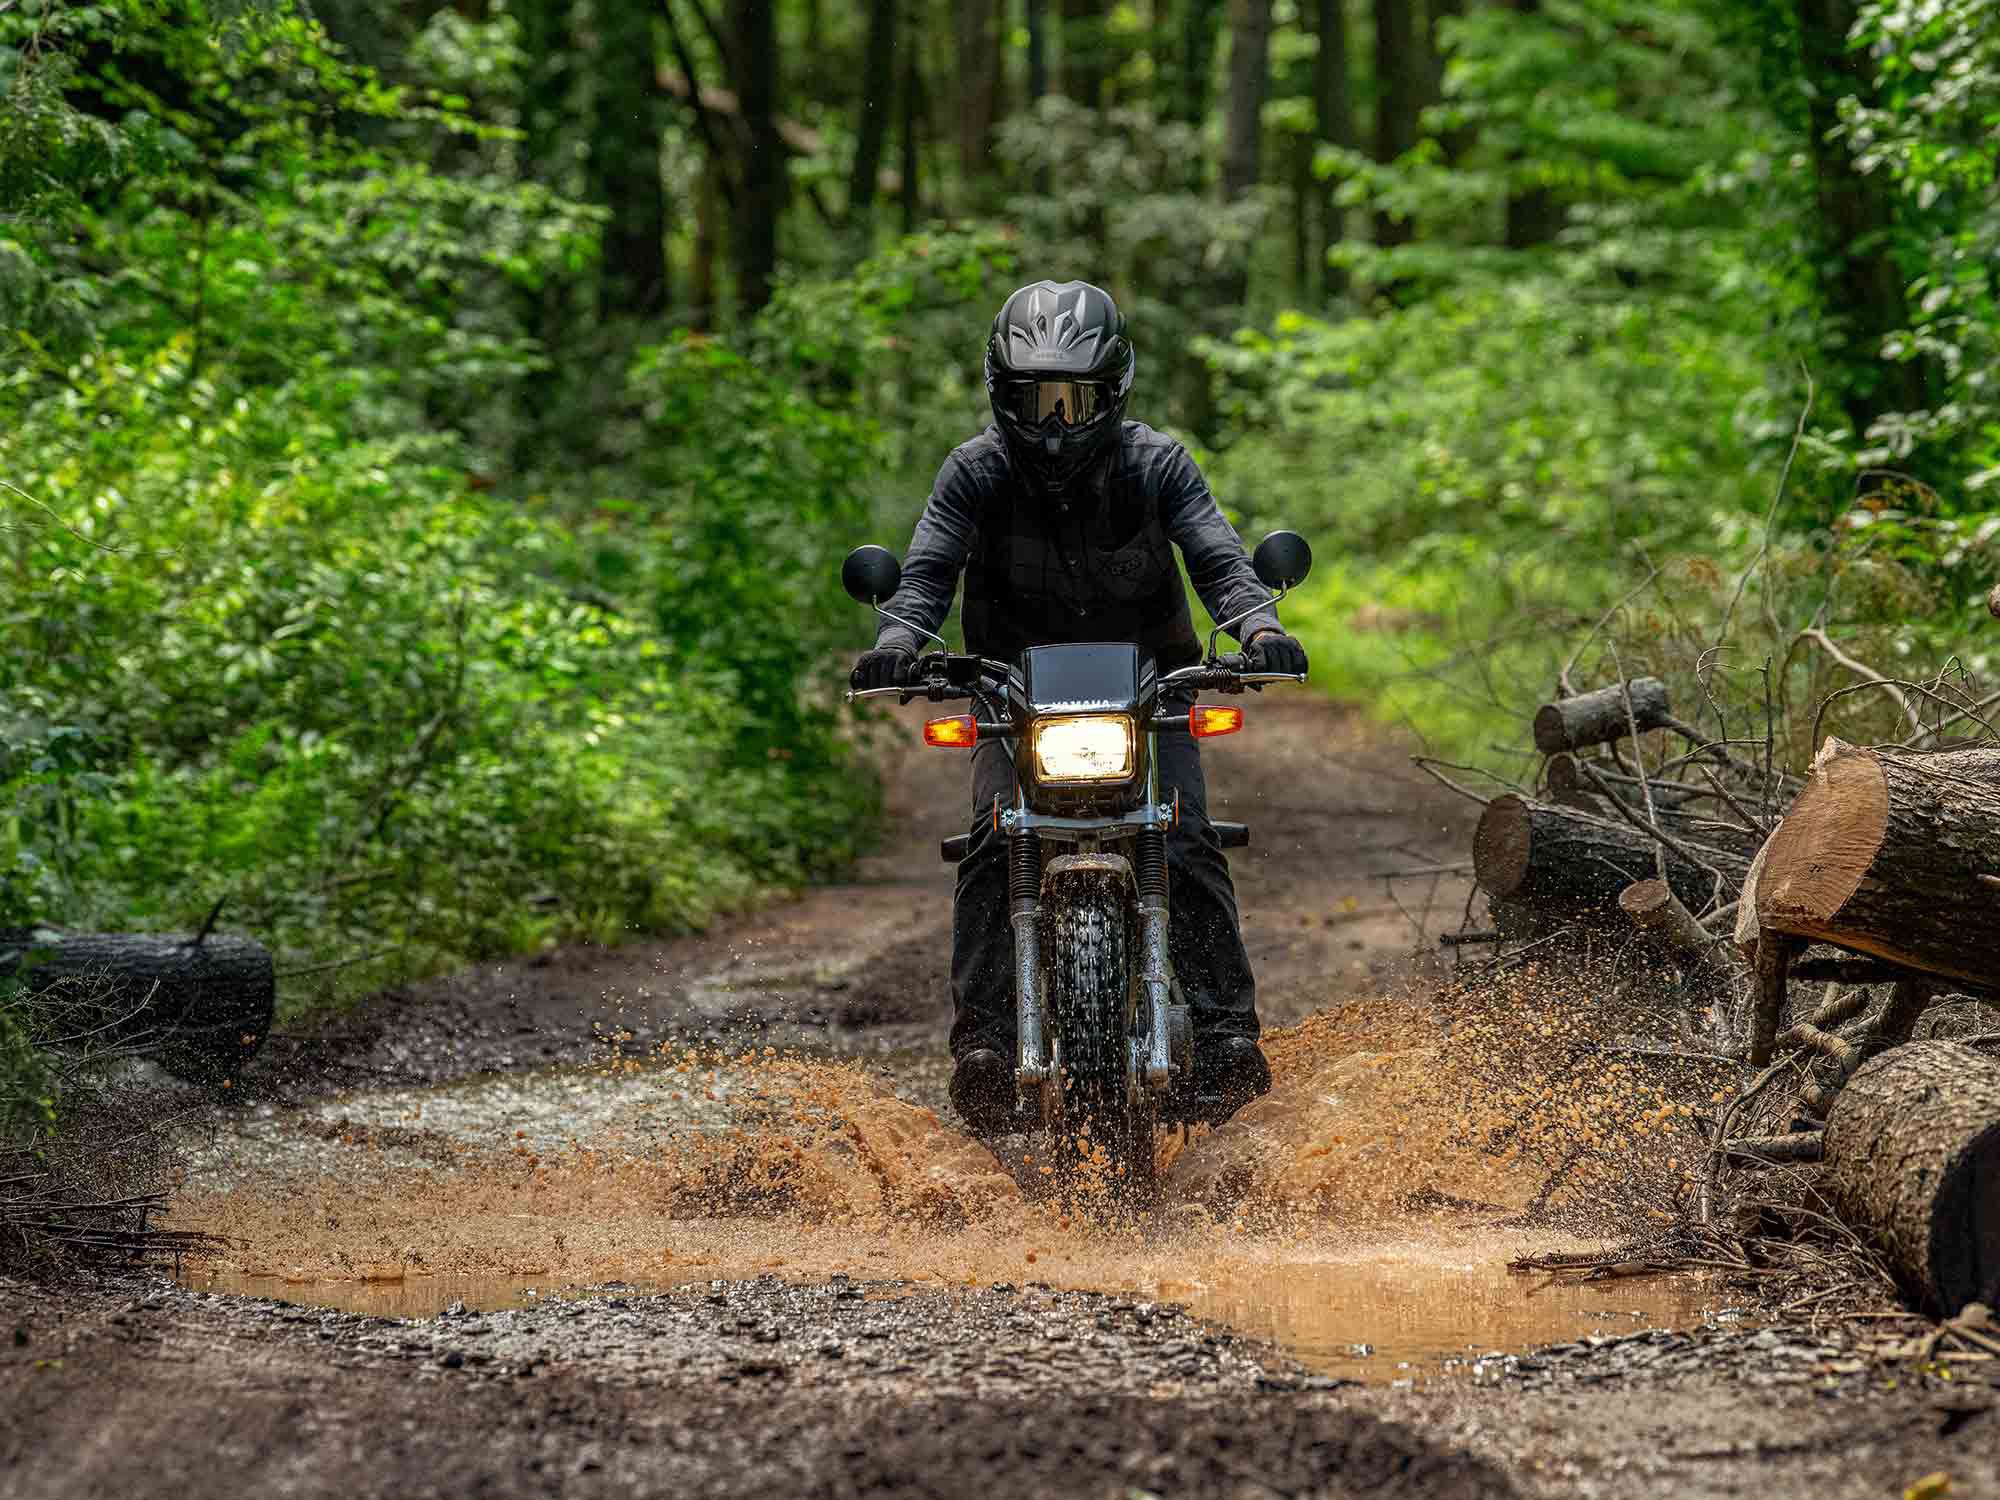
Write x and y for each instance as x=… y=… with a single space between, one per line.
x=1653 y=908
x=201 y=1006
x=1958 y=1019
x=1575 y=864
x=1912 y=1151
x=1883 y=855
x=1597 y=717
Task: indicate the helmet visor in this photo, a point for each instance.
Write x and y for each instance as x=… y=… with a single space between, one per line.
x=1073 y=403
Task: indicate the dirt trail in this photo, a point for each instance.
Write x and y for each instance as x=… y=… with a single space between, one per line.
x=853 y=1296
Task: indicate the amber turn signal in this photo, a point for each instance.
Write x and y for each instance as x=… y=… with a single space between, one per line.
x=959 y=732
x=1213 y=718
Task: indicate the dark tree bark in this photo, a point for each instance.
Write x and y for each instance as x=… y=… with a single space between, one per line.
x=1889 y=855
x=545 y=84
x=708 y=212
x=1200 y=25
x=1571 y=864
x=204 y=1008
x=1862 y=289
x=762 y=199
x=1400 y=82
x=978 y=85
x=878 y=102
x=1597 y=717
x=625 y=160
x=1036 y=18
x=1912 y=1152
x=1333 y=107
x=1249 y=74
x=1083 y=51
x=913 y=111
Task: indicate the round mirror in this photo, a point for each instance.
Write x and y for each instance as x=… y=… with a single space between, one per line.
x=1282 y=560
x=870 y=574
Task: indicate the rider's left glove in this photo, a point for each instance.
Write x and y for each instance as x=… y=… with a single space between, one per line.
x=884 y=667
x=1274 y=651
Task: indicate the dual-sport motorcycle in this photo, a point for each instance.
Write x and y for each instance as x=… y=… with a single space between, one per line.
x=1105 y=1041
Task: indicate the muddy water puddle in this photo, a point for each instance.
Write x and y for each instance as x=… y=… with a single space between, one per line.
x=1352 y=1217
x=1409 y=1310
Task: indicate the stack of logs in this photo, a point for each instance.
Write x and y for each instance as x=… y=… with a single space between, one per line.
x=1883 y=870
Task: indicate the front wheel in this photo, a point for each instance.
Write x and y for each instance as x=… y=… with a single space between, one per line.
x=1105 y=1137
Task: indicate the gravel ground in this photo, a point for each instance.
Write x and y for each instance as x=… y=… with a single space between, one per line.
x=851 y=1384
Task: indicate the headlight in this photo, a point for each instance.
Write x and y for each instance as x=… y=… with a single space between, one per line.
x=1095 y=747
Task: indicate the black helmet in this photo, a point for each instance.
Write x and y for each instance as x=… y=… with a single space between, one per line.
x=1058 y=371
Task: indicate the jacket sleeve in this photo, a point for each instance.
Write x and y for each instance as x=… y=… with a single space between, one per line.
x=944 y=539
x=1216 y=562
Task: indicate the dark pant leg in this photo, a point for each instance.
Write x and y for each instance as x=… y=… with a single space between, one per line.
x=982 y=939
x=1204 y=937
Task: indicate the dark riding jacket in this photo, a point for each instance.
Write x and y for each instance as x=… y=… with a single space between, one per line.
x=1095 y=563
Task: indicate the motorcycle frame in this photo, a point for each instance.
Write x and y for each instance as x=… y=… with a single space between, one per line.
x=1150 y=1060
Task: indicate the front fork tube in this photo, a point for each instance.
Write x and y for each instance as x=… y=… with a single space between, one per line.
x=1155 y=967
x=1034 y=1069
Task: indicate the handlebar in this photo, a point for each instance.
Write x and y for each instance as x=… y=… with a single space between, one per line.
x=1225 y=674
x=942 y=676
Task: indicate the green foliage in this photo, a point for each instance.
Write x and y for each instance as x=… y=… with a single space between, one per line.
x=27 y=1082
x=272 y=634
x=1935 y=131
x=1459 y=505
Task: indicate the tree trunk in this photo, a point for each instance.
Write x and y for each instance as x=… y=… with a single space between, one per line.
x=1571 y=864
x=203 y=1008
x=1887 y=855
x=878 y=94
x=913 y=108
x=1862 y=290
x=1200 y=23
x=1595 y=718
x=1399 y=96
x=762 y=200
x=625 y=161
x=1912 y=1150
x=1083 y=51
x=1036 y=19
x=707 y=244
x=1249 y=70
x=978 y=86
x=1333 y=107
x=1534 y=217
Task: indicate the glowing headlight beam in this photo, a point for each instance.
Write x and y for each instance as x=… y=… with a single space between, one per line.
x=1091 y=747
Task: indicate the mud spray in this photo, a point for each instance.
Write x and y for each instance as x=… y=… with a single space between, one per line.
x=1368 y=1206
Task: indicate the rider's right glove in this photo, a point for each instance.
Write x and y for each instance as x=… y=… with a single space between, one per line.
x=884 y=667
x=1274 y=651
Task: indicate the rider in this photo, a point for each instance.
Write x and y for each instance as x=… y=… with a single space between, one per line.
x=1063 y=516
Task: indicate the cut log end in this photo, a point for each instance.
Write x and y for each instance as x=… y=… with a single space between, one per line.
x=1501 y=843
x=1597 y=717
x=1823 y=848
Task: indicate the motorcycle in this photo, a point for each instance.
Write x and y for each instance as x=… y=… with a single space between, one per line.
x=1105 y=1041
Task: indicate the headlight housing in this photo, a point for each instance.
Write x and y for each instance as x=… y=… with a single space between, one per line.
x=1087 y=747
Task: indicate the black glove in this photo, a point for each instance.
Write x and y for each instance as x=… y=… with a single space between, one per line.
x=884 y=667
x=1274 y=651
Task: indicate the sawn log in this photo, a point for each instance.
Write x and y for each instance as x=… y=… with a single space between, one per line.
x=1570 y=863
x=1596 y=717
x=1887 y=855
x=1912 y=1151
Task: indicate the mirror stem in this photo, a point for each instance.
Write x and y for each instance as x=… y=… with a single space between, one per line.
x=913 y=625
x=1216 y=634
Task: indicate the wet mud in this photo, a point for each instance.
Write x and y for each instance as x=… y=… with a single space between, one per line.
x=694 y=1218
